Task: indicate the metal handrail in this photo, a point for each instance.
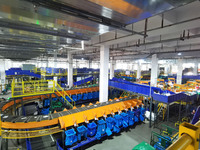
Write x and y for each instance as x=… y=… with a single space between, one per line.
x=65 y=93
x=63 y=97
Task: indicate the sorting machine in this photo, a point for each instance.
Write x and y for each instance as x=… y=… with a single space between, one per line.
x=107 y=119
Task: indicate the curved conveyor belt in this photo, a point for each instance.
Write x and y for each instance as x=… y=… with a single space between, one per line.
x=59 y=120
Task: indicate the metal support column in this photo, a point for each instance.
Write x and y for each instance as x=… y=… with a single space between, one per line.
x=155 y=112
x=6 y=144
x=167 y=112
x=138 y=70
x=103 y=84
x=179 y=112
x=154 y=70
x=70 y=70
x=63 y=139
x=112 y=68
x=50 y=98
x=22 y=106
x=150 y=111
x=15 y=112
x=180 y=71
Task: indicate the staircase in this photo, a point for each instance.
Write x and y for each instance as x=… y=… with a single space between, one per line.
x=161 y=108
x=61 y=92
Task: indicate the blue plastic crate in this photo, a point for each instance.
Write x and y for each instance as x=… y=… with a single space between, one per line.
x=101 y=128
x=131 y=117
x=95 y=94
x=85 y=96
x=90 y=95
x=54 y=99
x=71 y=137
x=137 y=114
x=142 y=113
x=118 y=120
x=110 y=122
x=79 y=97
x=74 y=97
x=45 y=111
x=46 y=103
x=125 y=119
x=68 y=99
x=81 y=132
x=92 y=129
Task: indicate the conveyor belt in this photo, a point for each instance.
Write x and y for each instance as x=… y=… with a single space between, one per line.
x=78 y=114
x=96 y=110
x=9 y=120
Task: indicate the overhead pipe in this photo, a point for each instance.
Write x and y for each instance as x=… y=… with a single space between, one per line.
x=182 y=48
x=129 y=54
x=150 y=30
x=154 y=42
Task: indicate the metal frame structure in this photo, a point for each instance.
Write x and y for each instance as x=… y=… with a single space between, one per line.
x=188 y=137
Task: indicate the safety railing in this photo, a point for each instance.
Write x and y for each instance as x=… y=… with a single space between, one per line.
x=39 y=87
x=73 y=103
x=52 y=72
x=28 y=88
x=10 y=134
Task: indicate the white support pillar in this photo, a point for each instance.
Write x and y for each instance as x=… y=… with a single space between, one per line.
x=2 y=71
x=55 y=60
x=70 y=70
x=37 y=63
x=133 y=66
x=90 y=63
x=180 y=71
x=112 y=68
x=154 y=70
x=139 y=66
x=166 y=69
x=170 y=69
x=103 y=84
x=47 y=62
x=195 y=71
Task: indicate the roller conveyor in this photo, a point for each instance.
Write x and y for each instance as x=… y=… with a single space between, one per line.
x=5 y=105
x=62 y=119
x=12 y=122
x=33 y=122
x=34 y=118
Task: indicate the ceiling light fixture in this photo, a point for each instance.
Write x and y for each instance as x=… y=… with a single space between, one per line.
x=179 y=54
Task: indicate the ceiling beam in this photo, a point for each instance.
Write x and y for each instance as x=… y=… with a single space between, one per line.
x=37 y=29
x=56 y=6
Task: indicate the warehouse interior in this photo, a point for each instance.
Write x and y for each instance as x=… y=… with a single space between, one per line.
x=99 y=74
